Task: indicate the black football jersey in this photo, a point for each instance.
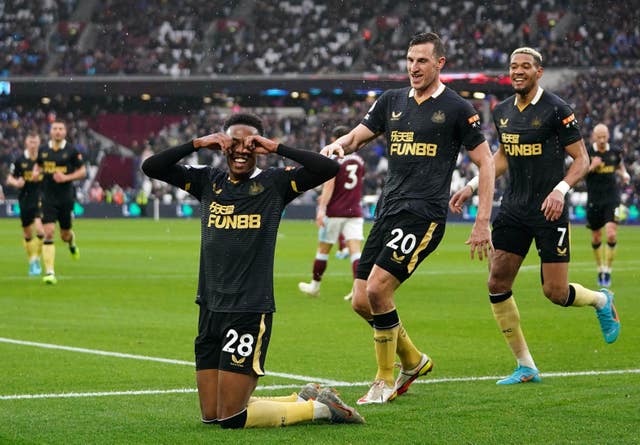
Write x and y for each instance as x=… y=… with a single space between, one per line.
x=423 y=143
x=239 y=224
x=534 y=140
x=65 y=160
x=23 y=168
x=601 y=183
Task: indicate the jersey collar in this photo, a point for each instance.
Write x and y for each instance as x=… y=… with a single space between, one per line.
x=535 y=99
x=438 y=92
x=256 y=172
x=595 y=147
x=62 y=145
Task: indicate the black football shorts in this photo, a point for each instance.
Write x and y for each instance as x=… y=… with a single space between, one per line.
x=398 y=244
x=552 y=240
x=59 y=211
x=235 y=342
x=29 y=213
x=600 y=214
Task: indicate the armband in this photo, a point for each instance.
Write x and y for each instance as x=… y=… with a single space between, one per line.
x=473 y=183
x=563 y=187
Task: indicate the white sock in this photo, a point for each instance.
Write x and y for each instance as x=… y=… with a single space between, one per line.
x=321 y=411
x=526 y=360
x=602 y=301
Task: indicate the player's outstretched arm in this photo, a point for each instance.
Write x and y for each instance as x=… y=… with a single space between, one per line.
x=260 y=144
x=315 y=170
x=214 y=141
x=164 y=165
x=350 y=142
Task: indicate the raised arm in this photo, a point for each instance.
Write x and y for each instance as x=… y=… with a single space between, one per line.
x=350 y=142
x=316 y=167
x=164 y=165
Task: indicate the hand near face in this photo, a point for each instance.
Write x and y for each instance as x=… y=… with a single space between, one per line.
x=260 y=145
x=215 y=141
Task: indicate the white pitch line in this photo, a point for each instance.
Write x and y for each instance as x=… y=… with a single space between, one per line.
x=277 y=387
x=575 y=267
x=304 y=378
x=71 y=395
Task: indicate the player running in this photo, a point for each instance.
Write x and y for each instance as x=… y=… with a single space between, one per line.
x=536 y=130
x=22 y=177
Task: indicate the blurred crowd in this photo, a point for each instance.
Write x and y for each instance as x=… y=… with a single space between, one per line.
x=190 y=37
x=199 y=37
x=612 y=98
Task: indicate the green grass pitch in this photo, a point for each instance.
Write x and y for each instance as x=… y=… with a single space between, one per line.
x=105 y=356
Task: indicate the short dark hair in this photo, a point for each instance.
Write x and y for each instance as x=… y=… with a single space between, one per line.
x=245 y=119
x=429 y=37
x=338 y=131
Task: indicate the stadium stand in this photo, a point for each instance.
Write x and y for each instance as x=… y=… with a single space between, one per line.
x=190 y=38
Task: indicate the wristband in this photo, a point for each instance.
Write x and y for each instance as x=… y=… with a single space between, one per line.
x=473 y=183
x=563 y=187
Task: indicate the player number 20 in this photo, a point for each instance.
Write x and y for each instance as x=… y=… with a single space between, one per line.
x=406 y=243
x=243 y=344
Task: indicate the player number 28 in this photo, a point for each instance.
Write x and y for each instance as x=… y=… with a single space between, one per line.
x=244 y=343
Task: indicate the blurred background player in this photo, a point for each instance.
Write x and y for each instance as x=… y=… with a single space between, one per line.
x=603 y=197
x=339 y=213
x=61 y=164
x=22 y=177
x=343 y=250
